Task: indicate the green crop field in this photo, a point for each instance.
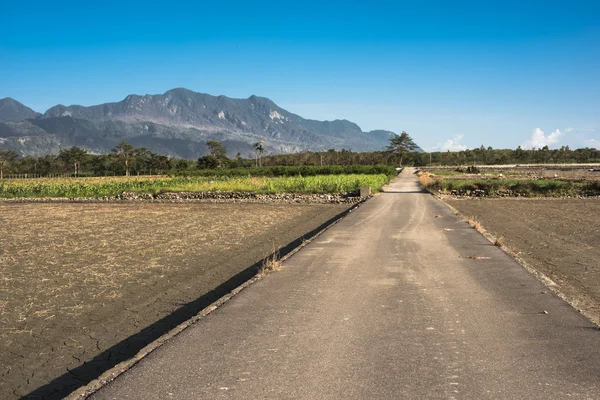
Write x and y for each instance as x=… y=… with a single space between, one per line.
x=112 y=186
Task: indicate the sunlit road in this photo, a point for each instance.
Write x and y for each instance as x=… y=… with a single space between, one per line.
x=386 y=304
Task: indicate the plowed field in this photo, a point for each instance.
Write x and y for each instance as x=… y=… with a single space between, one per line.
x=85 y=286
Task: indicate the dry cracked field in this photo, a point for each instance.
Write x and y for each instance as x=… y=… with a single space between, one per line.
x=558 y=237
x=85 y=286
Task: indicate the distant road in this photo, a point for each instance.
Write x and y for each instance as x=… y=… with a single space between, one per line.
x=399 y=300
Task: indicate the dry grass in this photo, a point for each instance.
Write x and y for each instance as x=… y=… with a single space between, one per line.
x=271 y=263
x=429 y=181
x=499 y=241
x=475 y=224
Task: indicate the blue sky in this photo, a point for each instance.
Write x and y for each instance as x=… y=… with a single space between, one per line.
x=451 y=74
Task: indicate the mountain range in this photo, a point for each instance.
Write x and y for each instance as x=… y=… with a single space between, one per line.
x=177 y=123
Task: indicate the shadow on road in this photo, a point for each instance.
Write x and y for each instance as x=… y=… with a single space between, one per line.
x=65 y=384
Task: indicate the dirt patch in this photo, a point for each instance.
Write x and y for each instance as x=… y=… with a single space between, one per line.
x=84 y=286
x=558 y=237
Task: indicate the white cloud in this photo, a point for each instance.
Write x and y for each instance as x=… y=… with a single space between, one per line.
x=595 y=143
x=539 y=139
x=450 y=145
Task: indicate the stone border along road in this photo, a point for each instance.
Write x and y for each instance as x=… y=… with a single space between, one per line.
x=206 y=197
x=400 y=299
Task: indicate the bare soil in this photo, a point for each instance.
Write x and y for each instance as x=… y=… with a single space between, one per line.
x=85 y=286
x=558 y=237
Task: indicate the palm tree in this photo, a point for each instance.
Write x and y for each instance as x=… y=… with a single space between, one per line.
x=258 y=149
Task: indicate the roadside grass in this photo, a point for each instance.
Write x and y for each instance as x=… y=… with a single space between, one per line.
x=270 y=264
x=112 y=186
x=475 y=224
x=429 y=181
x=499 y=241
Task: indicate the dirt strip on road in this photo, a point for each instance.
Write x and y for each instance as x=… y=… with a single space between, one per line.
x=85 y=286
x=559 y=238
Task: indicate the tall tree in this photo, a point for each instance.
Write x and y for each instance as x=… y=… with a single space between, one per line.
x=216 y=149
x=126 y=153
x=159 y=163
x=401 y=145
x=73 y=155
x=6 y=157
x=208 y=162
x=259 y=150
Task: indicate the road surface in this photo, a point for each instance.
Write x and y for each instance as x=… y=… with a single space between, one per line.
x=399 y=300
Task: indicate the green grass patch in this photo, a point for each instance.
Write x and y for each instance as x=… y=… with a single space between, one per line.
x=446 y=172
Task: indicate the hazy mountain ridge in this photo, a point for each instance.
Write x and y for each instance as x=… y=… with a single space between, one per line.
x=13 y=111
x=178 y=123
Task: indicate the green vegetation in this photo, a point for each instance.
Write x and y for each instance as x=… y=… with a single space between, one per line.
x=111 y=186
x=80 y=187
x=447 y=172
x=73 y=156
x=495 y=187
x=306 y=170
x=468 y=170
x=481 y=155
x=312 y=184
x=126 y=159
x=6 y=158
x=524 y=187
x=401 y=145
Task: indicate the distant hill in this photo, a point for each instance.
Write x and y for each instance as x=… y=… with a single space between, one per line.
x=178 y=123
x=11 y=111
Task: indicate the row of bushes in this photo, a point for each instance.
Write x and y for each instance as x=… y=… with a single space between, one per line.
x=530 y=188
x=305 y=170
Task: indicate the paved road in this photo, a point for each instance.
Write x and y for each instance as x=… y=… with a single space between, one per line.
x=384 y=305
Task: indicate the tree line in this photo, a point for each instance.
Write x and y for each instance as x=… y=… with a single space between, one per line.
x=480 y=156
x=126 y=159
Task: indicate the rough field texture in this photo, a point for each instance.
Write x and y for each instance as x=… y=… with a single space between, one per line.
x=558 y=237
x=93 y=283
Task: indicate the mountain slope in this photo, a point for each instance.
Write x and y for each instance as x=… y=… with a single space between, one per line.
x=180 y=121
x=12 y=111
